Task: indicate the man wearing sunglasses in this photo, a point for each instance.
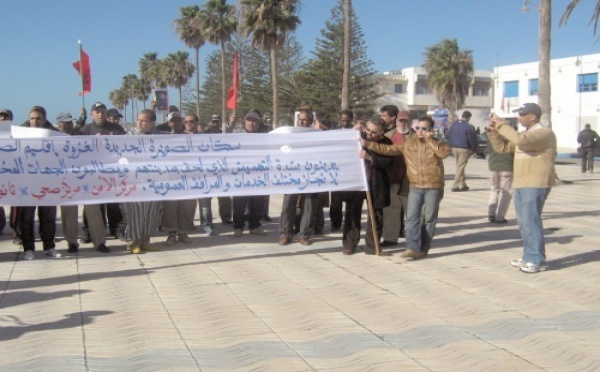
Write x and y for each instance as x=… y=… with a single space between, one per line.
x=423 y=155
x=534 y=174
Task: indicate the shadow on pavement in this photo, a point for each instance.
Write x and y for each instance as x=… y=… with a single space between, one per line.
x=71 y=321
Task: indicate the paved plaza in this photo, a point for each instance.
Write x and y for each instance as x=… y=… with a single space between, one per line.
x=225 y=304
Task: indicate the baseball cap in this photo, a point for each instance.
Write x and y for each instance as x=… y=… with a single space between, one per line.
x=113 y=113
x=529 y=108
x=173 y=115
x=98 y=105
x=7 y=112
x=404 y=115
x=253 y=115
x=215 y=117
x=64 y=117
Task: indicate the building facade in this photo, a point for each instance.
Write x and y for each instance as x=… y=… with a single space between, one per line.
x=407 y=89
x=575 y=100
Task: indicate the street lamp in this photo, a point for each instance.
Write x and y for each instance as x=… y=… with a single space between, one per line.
x=525 y=7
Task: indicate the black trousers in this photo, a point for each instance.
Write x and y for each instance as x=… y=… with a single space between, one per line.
x=26 y=226
x=352 y=218
x=335 y=208
x=247 y=208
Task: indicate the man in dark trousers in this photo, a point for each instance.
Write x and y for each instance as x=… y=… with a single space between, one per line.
x=377 y=167
x=463 y=141
x=587 y=138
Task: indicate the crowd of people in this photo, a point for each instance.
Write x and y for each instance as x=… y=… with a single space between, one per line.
x=404 y=170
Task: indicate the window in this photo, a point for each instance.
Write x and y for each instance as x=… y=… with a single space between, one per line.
x=421 y=87
x=533 y=87
x=481 y=88
x=511 y=89
x=587 y=83
x=398 y=88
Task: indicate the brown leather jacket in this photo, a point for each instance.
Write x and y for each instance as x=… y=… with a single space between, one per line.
x=425 y=168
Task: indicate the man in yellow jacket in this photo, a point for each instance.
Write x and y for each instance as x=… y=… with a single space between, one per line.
x=534 y=174
x=425 y=170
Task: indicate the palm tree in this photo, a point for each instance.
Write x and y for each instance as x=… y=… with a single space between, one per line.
x=128 y=84
x=594 y=19
x=118 y=98
x=218 y=26
x=149 y=72
x=177 y=70
x=347 y=41
x=450 y=72
x=269 y=21
x=189 y=28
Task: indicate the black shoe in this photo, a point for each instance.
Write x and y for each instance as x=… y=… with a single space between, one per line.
x=387 y=243
x=85 y=238
x=466 y=188
x=492 y=218
x=335 y=228
x=73 y=248
x=266 y=218
x=455 y=190
x=227 y=221
x=501 y=221
x=103 y=249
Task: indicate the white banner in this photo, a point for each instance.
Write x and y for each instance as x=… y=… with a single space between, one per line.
x=100 y=169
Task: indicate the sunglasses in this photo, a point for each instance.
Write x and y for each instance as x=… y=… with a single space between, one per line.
x=424 y=129
x=373 y=133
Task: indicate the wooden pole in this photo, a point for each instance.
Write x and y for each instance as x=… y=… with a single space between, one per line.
x=81 y=75
x=373 y=223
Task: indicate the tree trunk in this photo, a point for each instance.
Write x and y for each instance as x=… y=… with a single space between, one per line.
x=544 y=91
x=275 y=115
x=180 y=99
x=224 y=120
x=347 y=41
x=198 y=82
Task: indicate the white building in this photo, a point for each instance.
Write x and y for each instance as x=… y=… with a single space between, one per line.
x=575 y=100
x=407 y=89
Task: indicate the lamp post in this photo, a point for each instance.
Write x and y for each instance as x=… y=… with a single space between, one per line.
x=545 y=27
x=579 y=63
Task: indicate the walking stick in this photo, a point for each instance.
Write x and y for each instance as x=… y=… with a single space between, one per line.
x=373 y=222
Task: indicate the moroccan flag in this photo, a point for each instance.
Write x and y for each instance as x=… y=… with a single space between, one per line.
x=233 y=90
x=83 y=68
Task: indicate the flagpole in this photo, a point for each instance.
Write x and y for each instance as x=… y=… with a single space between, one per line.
x=81 y=75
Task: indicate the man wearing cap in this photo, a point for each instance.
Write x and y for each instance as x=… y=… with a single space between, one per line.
x=249 y=207
x=101 y=126
x=394 y=213
x=463 y=141
x=534 y=174
x=114 y=116
x=69 y=213
x=588 y=139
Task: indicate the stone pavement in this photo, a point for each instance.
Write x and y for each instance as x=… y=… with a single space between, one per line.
x=225 y=304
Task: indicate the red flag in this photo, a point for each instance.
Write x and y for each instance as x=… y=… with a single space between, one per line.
x=233 y=90
x=83 y=68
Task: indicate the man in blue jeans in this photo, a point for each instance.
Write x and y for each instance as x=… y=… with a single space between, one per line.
x=535 y=154
x=425 y=170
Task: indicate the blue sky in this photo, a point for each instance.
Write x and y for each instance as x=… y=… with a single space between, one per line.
x=39 y=39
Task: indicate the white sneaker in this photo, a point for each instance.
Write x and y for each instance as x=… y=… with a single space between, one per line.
x=237 y=233
x=518 y=263
x=28 y=255
x=52 y=253
x=258 y=231
x=528 y=267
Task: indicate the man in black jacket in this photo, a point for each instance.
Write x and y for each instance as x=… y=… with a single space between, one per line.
x=377 y=167
x=587 y=138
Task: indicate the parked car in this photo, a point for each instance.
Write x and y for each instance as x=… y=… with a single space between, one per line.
x=481 y=150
